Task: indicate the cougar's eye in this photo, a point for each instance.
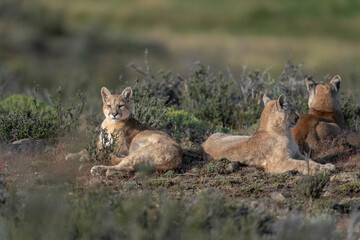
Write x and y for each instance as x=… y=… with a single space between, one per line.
x=120 y=106
x=108 y=106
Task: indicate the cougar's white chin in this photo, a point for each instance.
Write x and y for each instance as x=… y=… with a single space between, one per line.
x=115 y=119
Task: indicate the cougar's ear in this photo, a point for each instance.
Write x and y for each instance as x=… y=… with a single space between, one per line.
x=280 y=103
x=266 y=99
x=127 y=93
x=105 y=93
x=336 y=82
x=310 y=85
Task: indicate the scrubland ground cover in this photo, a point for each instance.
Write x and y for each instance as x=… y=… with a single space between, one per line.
x=87 y=44
x=44 y=196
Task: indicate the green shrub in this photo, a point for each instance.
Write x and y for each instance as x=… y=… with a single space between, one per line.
x=225 y=101
x=103 y=154
x=312 y=186
x=18 y=102
x=98 y=214
x=212 y=168
x=205 y=95
x=25 y=117
x=184 y=126
x=348 y=107
x=25 y=123
x=149 y=109
x=170 y=174
x=68 y=113
x=291 y=83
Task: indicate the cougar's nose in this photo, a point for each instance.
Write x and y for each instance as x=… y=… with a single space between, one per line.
x=114 y=114
x=296 y=117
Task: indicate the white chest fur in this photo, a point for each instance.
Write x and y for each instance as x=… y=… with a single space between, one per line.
x=106 y=139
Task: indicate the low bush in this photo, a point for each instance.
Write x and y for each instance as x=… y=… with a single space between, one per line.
x=312 y=186
x=149 y=109
x=18 y=101
x=25 y=117
x=348 y=107
x=186 y=127
x=101 y=214
x=223 y=100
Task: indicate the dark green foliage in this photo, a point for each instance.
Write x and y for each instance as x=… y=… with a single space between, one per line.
x=25 y=117
x=296 y=227
x=230 y=102
x=348 y=107
x=184 y=126
x=291 y=83
x=312 y=186
x=97 y=214
x=18 y=101
x=225 y=101
x=27 y=124
x=212 y=168
x=206 y=97
x=148 y=109
x=68 y=113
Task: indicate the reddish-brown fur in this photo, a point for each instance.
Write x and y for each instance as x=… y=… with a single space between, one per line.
x=324 y=121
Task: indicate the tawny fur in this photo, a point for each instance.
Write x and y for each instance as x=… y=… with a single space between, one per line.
x=324 y=121
x=135 y=144
x=271 y=147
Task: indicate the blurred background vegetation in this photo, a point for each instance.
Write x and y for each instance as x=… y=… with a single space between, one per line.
x=86 y=44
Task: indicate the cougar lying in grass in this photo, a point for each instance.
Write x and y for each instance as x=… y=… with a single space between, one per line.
x=135 y=143
x=271 y=147
x=324 y=121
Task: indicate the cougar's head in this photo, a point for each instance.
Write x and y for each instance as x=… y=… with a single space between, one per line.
x=116 y=106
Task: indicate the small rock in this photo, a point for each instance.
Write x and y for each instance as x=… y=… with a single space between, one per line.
x=233 y=166
x=278 y=196
x=345 y=177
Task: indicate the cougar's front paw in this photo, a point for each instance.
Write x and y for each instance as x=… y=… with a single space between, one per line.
x=329 y=167
x=326 y=168
x=98 y=170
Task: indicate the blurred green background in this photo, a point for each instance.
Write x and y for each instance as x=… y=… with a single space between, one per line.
x=87 y=44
